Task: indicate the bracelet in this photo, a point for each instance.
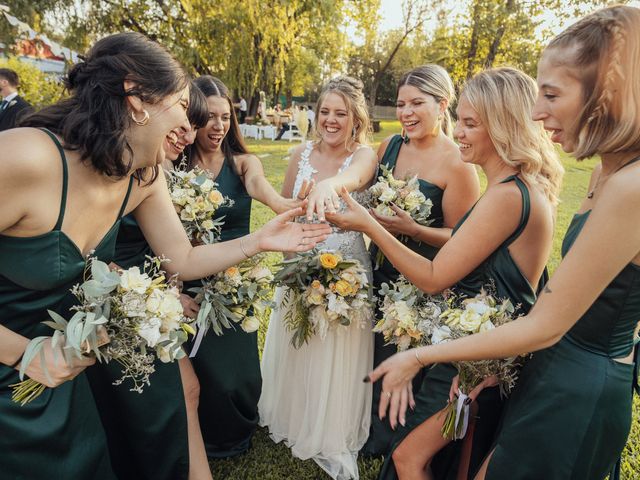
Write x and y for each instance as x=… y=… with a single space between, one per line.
x=15 y=364
x=244 y=252
x=422 y=365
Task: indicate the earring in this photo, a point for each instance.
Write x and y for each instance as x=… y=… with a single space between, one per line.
x=404 y=137
x=144 y=121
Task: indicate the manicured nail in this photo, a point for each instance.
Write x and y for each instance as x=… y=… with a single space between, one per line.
x=467 y=400
x=366 y=379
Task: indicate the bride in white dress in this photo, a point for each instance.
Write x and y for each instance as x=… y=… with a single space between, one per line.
x=313 y=398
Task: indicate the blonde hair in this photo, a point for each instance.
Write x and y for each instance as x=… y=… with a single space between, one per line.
x=350 y=90
x=433 y=80
x=503 y=98
x=605 y=59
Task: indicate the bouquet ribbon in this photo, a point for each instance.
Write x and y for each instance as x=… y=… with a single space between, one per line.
x=462 y=415
x=197 y=342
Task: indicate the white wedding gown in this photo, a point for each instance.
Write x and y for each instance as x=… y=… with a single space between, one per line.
x=314 y=398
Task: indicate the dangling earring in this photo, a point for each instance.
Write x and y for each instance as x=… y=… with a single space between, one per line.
x=404 y=137
x=145 y=118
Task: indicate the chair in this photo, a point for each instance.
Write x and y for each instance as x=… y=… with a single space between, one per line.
x=293 y=133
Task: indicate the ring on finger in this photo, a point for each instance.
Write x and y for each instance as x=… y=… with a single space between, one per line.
x=388 y=394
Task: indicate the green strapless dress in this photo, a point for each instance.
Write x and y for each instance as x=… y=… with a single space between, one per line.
x=380 y=433
x=570 y=414
x=139 y=426
x=59 y=434
x=228 y=366
x=433 y=395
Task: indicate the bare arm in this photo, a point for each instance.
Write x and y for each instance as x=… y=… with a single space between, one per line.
x=258 y=186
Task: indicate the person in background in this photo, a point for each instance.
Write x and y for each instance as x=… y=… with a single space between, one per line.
x=311 y=117
x=243 y=109
x=13 y=107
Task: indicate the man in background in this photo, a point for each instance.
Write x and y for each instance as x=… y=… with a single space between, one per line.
x=243 y=109
x=13 y=107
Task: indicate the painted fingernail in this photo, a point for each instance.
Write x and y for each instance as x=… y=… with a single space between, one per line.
x=467 y=400
x=366 y=379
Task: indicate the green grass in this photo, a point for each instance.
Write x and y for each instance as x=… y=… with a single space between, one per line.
x=268 y=461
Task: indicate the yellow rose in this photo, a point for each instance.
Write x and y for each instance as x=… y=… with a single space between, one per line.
x=343 y=288
x=232 y=272
x=329 y=260
x=215 y=197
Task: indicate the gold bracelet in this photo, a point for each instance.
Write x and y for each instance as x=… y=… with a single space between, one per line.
x=422 y=365
x=242 y=248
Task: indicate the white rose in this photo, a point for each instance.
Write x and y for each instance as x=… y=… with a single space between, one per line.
x=470 y=320
x=383 y=209
x=260 y=272
x=179 y=196
x=207 y=185
x=154 y=300
x=250 y=324
x=486 y=326
x=387 y=196
x=337 y=305
x=440 y=334
x=149 y=329
x=132 y=279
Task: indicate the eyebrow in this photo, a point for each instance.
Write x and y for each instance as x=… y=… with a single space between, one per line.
x=547 y=85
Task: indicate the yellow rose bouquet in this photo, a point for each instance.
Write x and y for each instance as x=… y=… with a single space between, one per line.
x=196 y=199
x=474 y=315
x=404 y=194
x=233 y=297
x=129 y=316
x=410 y=317
x=324 y=291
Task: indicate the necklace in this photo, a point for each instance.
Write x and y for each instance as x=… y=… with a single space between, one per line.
x=601 y=178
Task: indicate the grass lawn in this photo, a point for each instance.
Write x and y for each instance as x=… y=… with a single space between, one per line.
x=269 y=461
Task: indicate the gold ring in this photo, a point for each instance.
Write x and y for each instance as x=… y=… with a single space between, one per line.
x=388 y=394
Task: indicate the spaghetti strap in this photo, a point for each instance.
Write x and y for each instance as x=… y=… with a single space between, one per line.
x=526 y=208
x=126 y=198
x=65 y=178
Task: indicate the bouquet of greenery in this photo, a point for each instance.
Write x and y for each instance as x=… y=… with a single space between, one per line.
x=474 y=315
x=410 y=317
x=325 y=291
x=232 y=297
x=404 y=194
x=196 y=199
x=128 y=316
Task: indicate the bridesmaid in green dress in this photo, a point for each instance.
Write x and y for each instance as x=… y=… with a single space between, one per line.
x=164 y=418
x=126 y=99
x=570 y=413
x=505 y=239
x=424 y=149
x=227 y=366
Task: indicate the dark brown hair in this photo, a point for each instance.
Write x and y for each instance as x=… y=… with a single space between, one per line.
x=10 y=76
x=94 y=119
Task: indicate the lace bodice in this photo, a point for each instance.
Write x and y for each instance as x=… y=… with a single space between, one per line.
x=349 y=243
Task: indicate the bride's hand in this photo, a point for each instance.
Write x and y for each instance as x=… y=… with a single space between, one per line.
x=280 y=234
x=322 y=198
x=355 y=217
x=289 y=203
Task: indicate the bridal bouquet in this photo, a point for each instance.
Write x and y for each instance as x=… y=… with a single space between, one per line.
x=325 y=291
x=232 y=297
x=410 y=316
x=405 y=194
x=196 y=199
x=473 y=315
x=128 y=316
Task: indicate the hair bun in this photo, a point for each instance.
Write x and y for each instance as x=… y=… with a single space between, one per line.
x=76 y=75
x=346 y=80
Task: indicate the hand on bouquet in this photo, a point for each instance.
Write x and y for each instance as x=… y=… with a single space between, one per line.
x=322 y=198
x=491 y=381
x=59 y=371
x=399 y=224
x=281 y=234
x=355 y=217
x=189 y=306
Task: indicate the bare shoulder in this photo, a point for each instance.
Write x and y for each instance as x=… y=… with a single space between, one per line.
x=27 y=155
x=621 y=190
x=246 y=157
x=365 y=152
x=503 y=197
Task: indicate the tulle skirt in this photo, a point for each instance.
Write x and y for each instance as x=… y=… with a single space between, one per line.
x=313 y=398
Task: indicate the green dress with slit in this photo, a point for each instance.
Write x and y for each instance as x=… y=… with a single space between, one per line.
x=228 y=366
x=570 y=414
x=380 y=433
x=146 y=432
x=501 y=270
x=58 y=435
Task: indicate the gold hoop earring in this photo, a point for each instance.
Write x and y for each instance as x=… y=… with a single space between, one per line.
x=404 y=137
x=144 y=121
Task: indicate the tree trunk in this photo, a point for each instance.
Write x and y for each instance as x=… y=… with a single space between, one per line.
x=495 y=45
x=473 y=47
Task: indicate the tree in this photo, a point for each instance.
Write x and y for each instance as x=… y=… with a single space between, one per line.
x=36 y=87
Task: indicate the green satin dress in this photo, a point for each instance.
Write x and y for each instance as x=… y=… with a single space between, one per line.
x=59 y=434
x=380 y=433
x=228 y=366
x=146 y=432
x=570 y=414
x=433 y=395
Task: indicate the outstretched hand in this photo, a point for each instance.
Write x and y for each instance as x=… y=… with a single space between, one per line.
x=281 y=234
x=322 y=198
x=399 y=224
x=355 y=217
x=299 y=200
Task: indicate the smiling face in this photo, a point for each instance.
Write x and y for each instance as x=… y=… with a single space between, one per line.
x=209 y=138
x=334 y=122
x=418 y=112
x=472 y=135
x=560 y=98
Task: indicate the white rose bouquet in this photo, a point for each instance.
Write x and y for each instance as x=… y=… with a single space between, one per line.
x=474 y=315
x=128 y=316
x=410 y=316
x=196 y=199
x=233 y=296
x=325 y=291
x=405 y=194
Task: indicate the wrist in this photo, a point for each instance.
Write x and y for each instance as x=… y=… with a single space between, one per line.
x=250 y=244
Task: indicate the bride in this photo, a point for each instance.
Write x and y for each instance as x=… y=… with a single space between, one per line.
x=313 y=398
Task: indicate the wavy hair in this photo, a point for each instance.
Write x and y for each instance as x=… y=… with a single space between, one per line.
x=504 y=98
x=603 y=52
x=351 y=91
x=95 y=118
x=433 y=80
